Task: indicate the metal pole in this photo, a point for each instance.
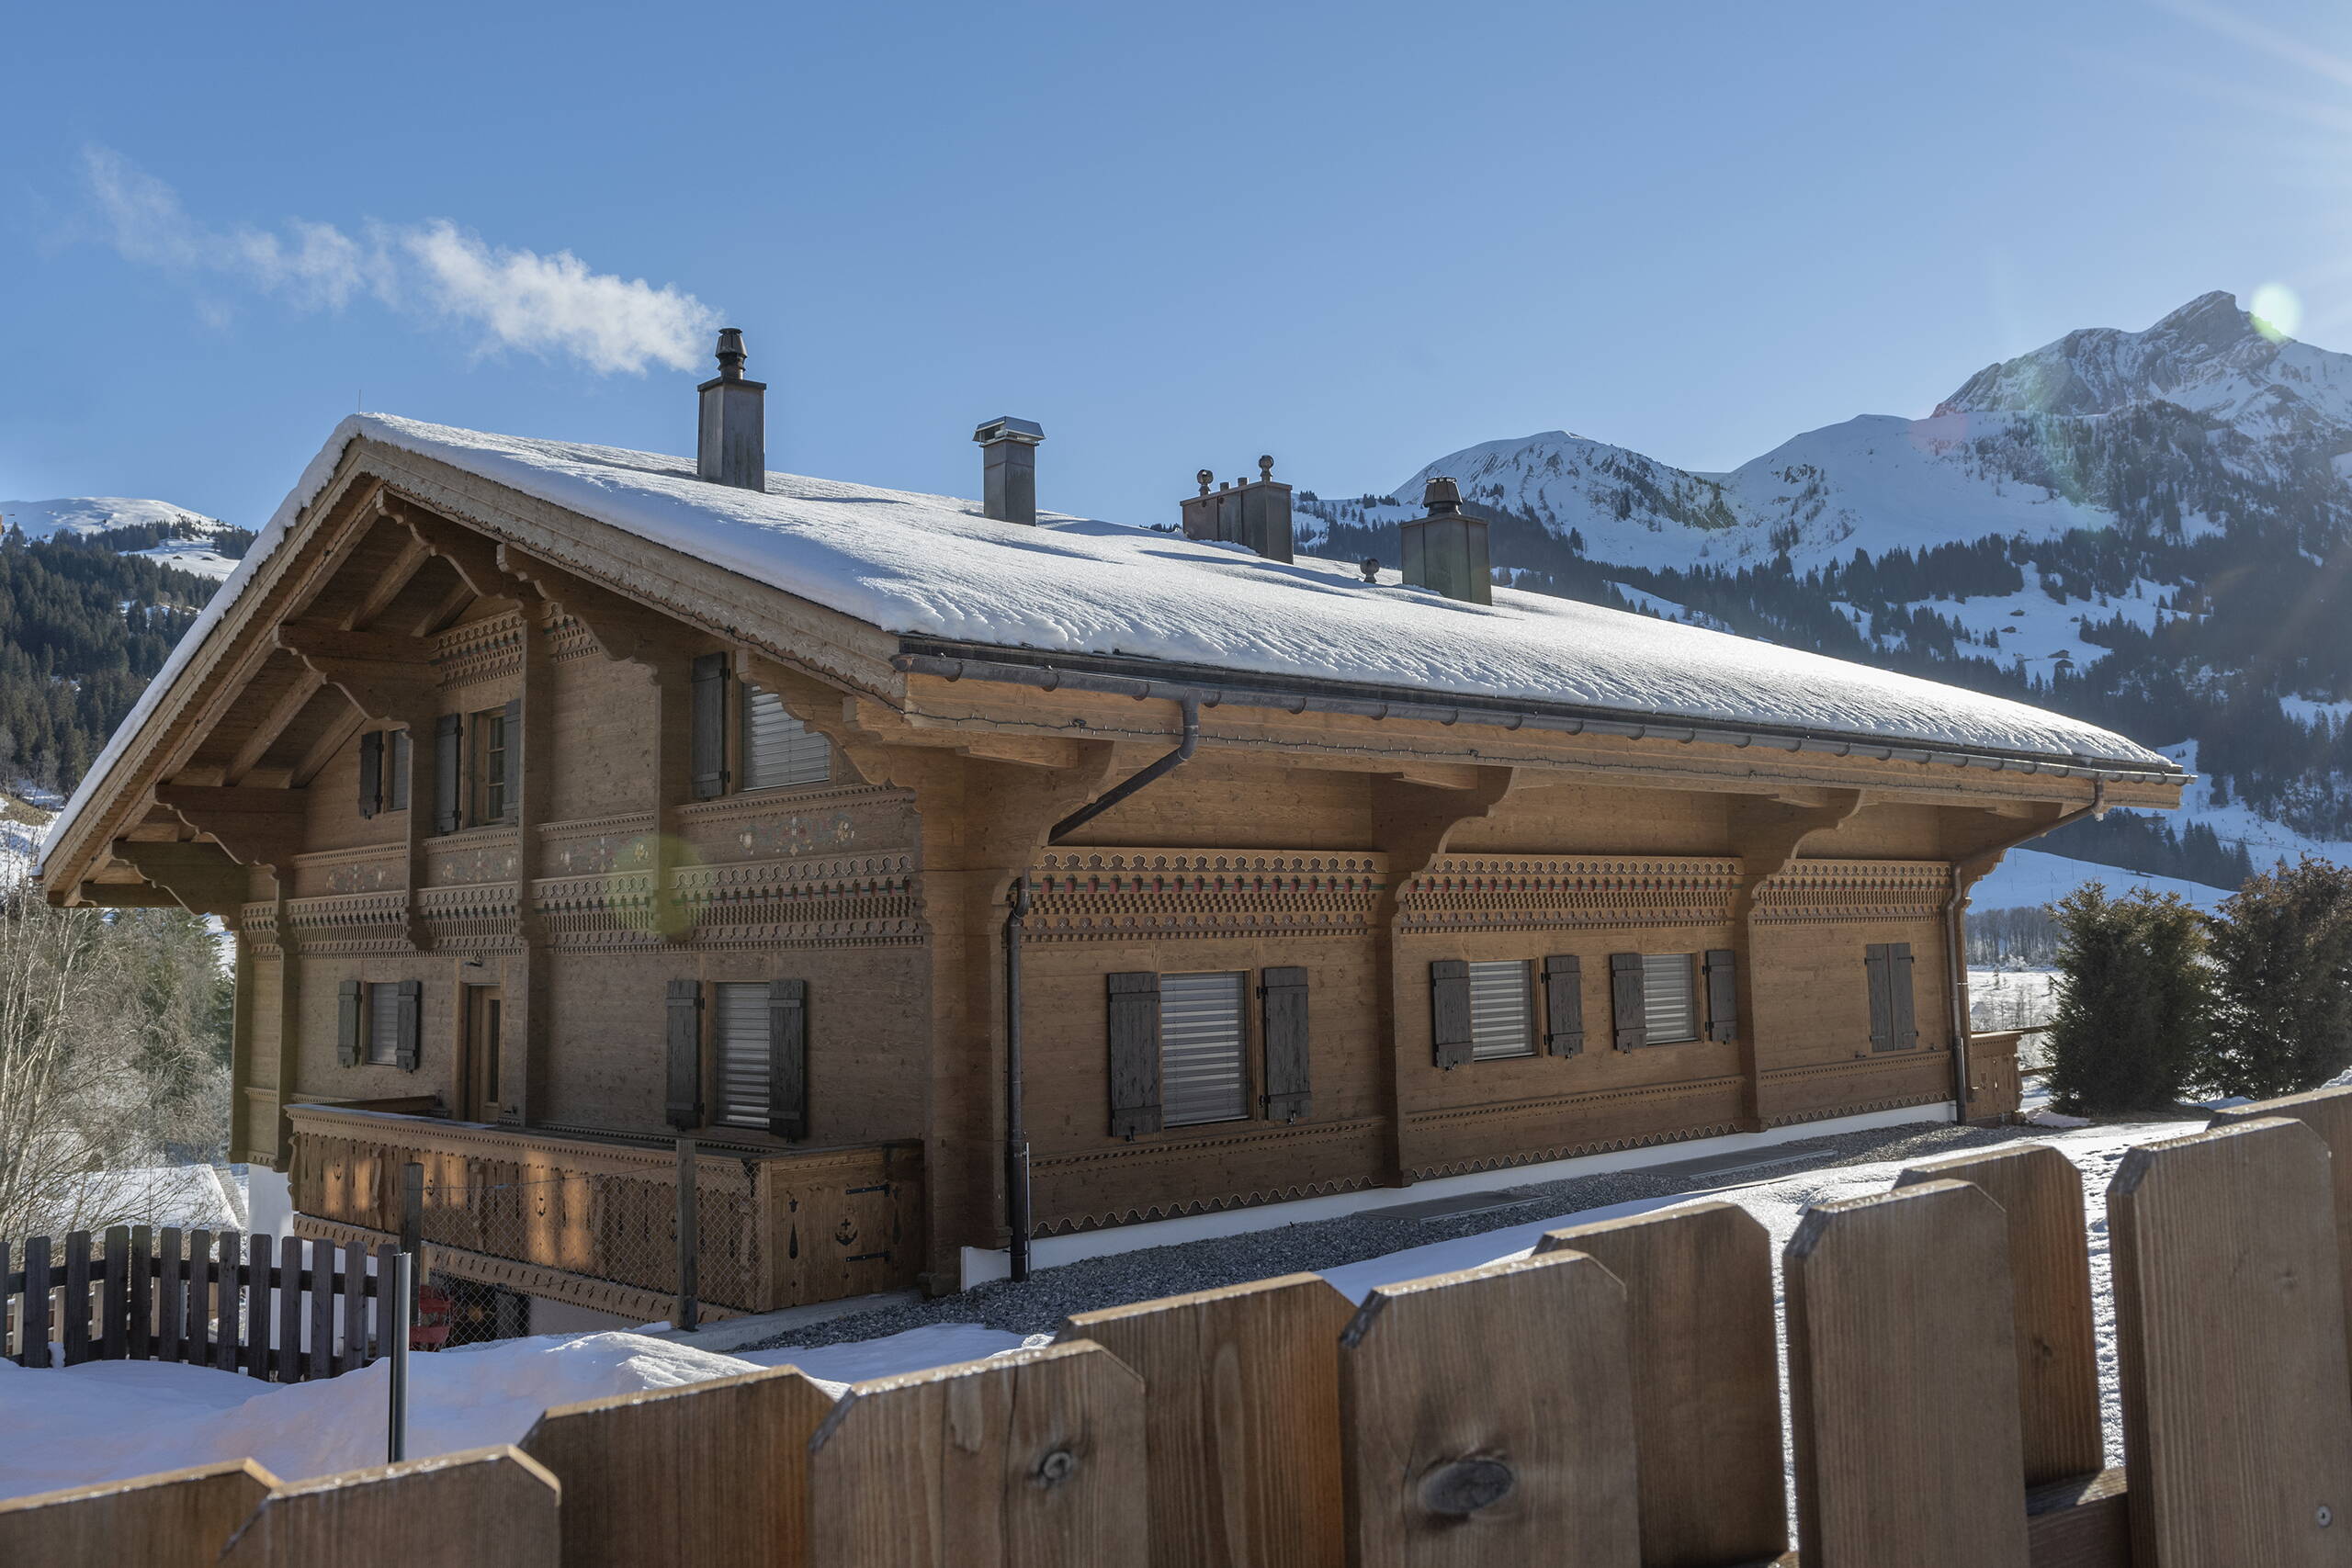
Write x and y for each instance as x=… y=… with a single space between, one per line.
x=402 y=1282
x=689 y=1238
x=1016 y=1131
x=411 y=1225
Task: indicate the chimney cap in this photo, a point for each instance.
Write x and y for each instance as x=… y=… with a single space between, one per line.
x=1004 y=427
x=1442 y=496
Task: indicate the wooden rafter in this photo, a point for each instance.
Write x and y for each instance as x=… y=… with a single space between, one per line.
x=257 y=826
x=274 y=723
x=201 y=877
x=394 y=583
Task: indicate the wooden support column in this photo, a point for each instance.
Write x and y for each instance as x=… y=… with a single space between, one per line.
x=525 y=1051
x=1411 y=822
x=1766 y=836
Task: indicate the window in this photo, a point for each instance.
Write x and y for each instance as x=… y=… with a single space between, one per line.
x=742 y=1054
x=1502 y=1009
x=384 y=1024
x=1669 y=1000
x=489 y=766
x=779 y=750
x=1202 y=1075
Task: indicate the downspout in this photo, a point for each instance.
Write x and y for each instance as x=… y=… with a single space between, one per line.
x=1956 y=960
x=1016 y=1131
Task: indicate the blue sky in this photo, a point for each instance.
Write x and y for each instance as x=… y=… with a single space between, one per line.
x=1356 y=236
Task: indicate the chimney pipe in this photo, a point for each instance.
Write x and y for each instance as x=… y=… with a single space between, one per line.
x=732 y=444
x=1009 y=469
x=1256 y=512
x=1446 y=551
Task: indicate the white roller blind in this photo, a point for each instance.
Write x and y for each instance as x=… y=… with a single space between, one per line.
x=742 y=1034
x=777 y=748
x=1201 y=1032
x=1502 y=1016
x=384 y=1023
x=1668 y=1005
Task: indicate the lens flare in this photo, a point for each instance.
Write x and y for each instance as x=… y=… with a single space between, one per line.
x=2277 y=314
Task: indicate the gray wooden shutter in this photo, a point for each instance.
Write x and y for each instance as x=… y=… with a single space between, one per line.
x=371 y=772
x=513 y=760
x=789 y=1058
x=1629 y=1013
x=1875 y=961
x=347 y=1023
x=448 y=776
x=685 y=1054
x=1282 y=996
x=1905 y=1029
x=709 y=709
x=1721 y=969
x=1449 y=1012
x=1134 y=1009
x=1564 y=1004
x=409 y=1035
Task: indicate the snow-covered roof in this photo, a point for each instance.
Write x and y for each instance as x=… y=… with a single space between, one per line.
x=933 y=566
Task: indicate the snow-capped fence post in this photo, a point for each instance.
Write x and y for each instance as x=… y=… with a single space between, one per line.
x=1903 y=1374
x=1241 y=1418
x=1029 y=1459
x=1487 y=1416
x=2229 y=1318
x=712 y=1474
x=180 y=1518
x=482 y=1505
x=1706 y=1379
x=2049 y=1275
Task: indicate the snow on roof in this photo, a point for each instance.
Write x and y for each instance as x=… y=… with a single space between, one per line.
x=932 y=566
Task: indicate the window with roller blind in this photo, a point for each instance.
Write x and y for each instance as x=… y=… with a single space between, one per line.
x=1502 y=1009
x=1669 y=999
x=778 y=750
x=1204 y=1071
x=741 y=1053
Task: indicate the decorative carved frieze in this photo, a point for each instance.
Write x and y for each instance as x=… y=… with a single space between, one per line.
x=613 y=910
x=598 y=845
x=851 y=901
x=1530 y=891
x=370 y=868
x=257 y=922
x=1117 y=895
x=478 y=855
x=350 y=923
x=1826 y=890
x=486 y=650
x=568 y=639
x=479 y=918
x=820 y=820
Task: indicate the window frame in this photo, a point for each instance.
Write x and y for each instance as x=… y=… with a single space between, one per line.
x=716 y=1113
x=379 y=1023
x=739 y=743
x=1529 y=1045
x=1690 y=992
x=1245 y=1049
x=485 y=766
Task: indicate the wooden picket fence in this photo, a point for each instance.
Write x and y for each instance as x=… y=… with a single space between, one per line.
x=241 y=1304
x=1613 y=1400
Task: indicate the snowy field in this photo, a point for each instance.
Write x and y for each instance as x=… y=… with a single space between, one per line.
x=2011 y=999
x=69 y=1427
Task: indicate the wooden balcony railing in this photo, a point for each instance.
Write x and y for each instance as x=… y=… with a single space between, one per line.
x=592 y=1221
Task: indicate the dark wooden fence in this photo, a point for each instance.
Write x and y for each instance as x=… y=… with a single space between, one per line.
x=284 y=1311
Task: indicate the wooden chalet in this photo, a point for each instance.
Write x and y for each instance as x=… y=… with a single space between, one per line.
x=562 y=799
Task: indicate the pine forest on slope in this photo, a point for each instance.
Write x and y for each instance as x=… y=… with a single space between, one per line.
x=2147 y=530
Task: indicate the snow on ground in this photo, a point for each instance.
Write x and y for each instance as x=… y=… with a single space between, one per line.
x=193 y=556
x=2040 y=630
x=66 y=1426
x=2032 y=878
x=2011 y=999
x=100 y=515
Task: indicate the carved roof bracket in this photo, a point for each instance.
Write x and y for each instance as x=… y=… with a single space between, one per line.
x=622 y=629
x=200 y=877
x=386 y=677
x=475 y=558
x=255 y=826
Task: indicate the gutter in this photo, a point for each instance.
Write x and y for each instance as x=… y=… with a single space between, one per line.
x=951 y=662
x=1018 y=1212
x=1956 y=959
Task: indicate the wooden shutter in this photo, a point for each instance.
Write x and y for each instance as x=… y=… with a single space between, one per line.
x=448 y=775
x=1876 y=962
x=1906 y=1028
x=1629 y=1013
x=1721 y=969
x=347 y=1023
x=514 y=761
x=371 y=772
x=1282 y=996
x=1449 y=1012
x=789 y=1058
x=709 y=709
x=1133 y=1000
x=1564 y=1004
x=685 y=1054
x=410 y=1030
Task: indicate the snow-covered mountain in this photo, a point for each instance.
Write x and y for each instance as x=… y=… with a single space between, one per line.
x=168 y=535
x=2151 y=529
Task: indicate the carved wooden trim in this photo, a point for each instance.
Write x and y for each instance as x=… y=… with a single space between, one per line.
x=478 y=918
x=858 y=900
x=1119 y=895
x=476 y=855
x=1820 y=891
x=350 y=923
x=487 y=649
x=1565 y=892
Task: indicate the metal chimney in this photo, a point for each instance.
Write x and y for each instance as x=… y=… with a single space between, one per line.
x=733 y=448
x=1446 y=551
x=1255 y=512
x=1010 y=467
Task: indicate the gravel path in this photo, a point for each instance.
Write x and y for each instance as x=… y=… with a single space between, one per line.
x=1052 y=1294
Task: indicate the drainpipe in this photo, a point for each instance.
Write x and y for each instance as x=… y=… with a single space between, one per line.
x=1016 y=1131
x=1956 y=960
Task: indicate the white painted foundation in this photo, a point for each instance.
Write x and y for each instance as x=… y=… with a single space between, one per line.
x=983 y=1264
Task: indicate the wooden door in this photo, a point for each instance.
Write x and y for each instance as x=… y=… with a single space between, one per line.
x=478 y=1085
